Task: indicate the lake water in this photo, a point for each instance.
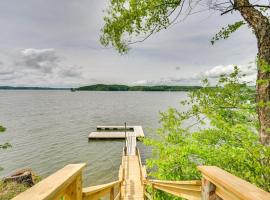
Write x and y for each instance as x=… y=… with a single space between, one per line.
x=49 y=129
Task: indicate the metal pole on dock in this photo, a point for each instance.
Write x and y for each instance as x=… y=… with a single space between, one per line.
x=126 y=135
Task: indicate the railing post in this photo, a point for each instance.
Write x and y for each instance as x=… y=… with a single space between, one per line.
x=78 y=186
x=153 y=192
x=208 y=190
x=112 y=194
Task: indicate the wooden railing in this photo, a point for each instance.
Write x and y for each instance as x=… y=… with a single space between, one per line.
x=216 y=184
x=62 y=185
x=112 y=189
x=186 y=189
x=143 y=173
x=219 y=184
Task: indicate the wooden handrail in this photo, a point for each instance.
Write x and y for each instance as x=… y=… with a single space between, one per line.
x=65 y=183
x=186 y=189
x=227 y=186
x=95 y=192
x=142 y=167
x=216 y=184
x=94 y=189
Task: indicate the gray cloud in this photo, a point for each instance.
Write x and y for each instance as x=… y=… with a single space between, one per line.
x=216 y=71
x=39 y=67
x=44 y=60
x=212 y=75
x=64 y=34
x=73 y=72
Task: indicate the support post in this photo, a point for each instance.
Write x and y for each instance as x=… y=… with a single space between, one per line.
x=208 y=190
x=126 y=138
x=153 y=192
x=112 y=194
x=79 y=187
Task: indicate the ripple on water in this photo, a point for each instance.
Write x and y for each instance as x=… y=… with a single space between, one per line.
x=49 y=129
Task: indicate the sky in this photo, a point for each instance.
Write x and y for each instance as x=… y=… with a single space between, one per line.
x=55 y=43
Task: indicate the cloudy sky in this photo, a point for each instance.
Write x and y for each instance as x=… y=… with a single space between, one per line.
x=55 y=43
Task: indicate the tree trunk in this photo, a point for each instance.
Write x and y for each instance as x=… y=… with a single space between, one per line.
x=261 y=27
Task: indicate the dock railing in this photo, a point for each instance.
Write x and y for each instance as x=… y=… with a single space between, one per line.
x=143 y=173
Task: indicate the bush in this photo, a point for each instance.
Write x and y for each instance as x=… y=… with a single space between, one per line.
x=219 y=128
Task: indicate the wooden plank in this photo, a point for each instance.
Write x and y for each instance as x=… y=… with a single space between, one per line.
x=116 y=132
x=232 y=184
x=190 y=195
x=191 y=187
x=117 y=196
x=132 y=187
x=131 y=145
x=112 y=193
x=50 y=187
x=191 y=182
x=94 y=189
x=209 y=190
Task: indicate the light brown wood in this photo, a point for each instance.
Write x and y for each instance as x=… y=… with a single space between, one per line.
x=94 y=189
x=187 y=189
x=62 y=183
x=112 y=194
x=209 y=190
x=132 y=187
x=116 y=132
x=231 y=187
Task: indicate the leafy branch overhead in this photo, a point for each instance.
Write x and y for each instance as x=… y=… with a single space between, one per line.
x=131 y=21
x=225 y=32
x=128 y=18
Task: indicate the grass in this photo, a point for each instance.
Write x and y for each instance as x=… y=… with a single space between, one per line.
x=8 y=190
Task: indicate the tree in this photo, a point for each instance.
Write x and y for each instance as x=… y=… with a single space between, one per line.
x=127 y=19
x=219 y=128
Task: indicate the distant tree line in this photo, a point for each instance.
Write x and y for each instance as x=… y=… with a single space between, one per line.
x=103 y=87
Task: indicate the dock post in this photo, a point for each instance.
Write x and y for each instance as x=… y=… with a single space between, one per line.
x=126 y=136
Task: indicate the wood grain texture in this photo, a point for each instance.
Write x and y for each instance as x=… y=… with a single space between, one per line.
x=64 y=182
x=232 y=187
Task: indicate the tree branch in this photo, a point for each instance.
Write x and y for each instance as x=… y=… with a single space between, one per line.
x=246 y=6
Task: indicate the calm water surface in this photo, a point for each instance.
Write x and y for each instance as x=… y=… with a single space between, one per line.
x=49 y=129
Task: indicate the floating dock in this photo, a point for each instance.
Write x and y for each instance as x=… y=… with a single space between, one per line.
x=116 y=132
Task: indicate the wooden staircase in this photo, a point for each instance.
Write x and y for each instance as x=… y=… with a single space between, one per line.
x=216 y=184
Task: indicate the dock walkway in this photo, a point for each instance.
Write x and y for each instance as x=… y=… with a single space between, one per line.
x=132 y=187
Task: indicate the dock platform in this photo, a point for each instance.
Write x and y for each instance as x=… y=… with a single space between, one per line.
x=116 y=132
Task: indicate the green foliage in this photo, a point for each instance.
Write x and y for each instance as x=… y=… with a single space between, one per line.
x=218 y=128
x=2 y=129
x=127 y=18
x=9 y=189
x=5 y=145
x=102 y=87
x=225 y=32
